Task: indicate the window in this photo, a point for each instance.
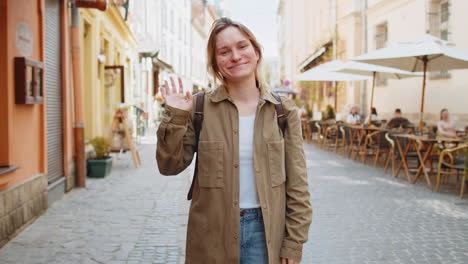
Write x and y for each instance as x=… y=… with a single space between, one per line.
x=444 y=12
x=381 y=38
x=444 y=34
x=444 y=20
x=441 y=29
x=381 y=35
x=379 y=81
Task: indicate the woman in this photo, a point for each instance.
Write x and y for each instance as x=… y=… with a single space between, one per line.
x=353 y=117
x=446 y=127
x=373 y=117
x=250 y=200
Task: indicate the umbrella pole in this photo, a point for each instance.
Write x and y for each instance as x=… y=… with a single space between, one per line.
x=336 y=97
x=425 y=60
x=372 y=97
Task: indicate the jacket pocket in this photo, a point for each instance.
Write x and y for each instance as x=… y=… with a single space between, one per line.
x=210 y=163
x=276 y=160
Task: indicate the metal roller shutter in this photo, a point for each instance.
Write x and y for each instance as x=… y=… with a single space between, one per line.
x=53 y=91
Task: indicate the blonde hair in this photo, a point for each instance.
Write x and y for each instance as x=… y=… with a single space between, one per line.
x=212 y=67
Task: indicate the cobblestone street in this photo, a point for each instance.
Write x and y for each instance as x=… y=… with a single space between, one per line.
x=361 y=215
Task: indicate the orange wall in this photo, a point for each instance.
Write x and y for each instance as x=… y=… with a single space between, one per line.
x=26 y=126
x=25 y=129
x=4 y=89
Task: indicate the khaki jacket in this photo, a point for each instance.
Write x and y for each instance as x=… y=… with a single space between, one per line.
x=280 y=172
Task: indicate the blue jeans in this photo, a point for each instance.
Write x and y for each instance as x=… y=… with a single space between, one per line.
x=253 y=249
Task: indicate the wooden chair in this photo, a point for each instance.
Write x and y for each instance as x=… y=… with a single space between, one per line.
x=330 y=137
x=341 y=140
x=319 y=133
x=383 y=152
x=452 y=164
x=306 y=132
x=371 y=147
x=391 y=154
x=352 y=144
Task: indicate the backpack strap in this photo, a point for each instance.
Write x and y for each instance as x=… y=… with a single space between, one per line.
x=198 y=117
x=197 y=125
x=282 y=122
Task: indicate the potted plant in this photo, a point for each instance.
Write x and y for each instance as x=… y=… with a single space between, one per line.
x=101 y=165
x=330 y=113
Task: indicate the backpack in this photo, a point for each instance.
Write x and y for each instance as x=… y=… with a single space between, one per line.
x=198 y=121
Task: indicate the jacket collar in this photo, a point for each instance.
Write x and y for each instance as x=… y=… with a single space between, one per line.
x=220 y=94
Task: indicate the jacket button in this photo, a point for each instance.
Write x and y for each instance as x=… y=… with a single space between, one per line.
x=235 y=131
x=236 y=166
x=265 y=207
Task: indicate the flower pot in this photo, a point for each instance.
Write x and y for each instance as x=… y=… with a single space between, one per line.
x=99 y=168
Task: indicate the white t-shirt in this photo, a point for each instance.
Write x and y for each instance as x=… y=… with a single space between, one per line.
x=373 y=118
x=353 y=119
x=248 y=196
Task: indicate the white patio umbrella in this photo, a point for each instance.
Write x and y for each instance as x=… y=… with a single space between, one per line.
x=425 y=54
x=328 y=72
x=373 y=70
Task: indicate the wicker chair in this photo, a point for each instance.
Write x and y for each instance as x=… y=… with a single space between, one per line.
x=341 y=141
x=319 y=133
x=374 y=146
x=331 y=137
x=391 y=153
x=452 y=164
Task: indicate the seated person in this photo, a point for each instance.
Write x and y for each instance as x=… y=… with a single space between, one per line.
x=445 y=126
x=398 y=121
x=374 y=118
x=353 y=117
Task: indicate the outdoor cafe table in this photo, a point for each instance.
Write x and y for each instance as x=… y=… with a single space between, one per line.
x=358 y=133
x=422 y=157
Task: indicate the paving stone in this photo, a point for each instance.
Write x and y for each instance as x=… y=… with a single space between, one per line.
x=136 y=216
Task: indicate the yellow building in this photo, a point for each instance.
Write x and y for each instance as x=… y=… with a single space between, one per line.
x=106 y=45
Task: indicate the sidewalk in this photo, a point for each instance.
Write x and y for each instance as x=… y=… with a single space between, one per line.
x=361 y=215
x=131 y=216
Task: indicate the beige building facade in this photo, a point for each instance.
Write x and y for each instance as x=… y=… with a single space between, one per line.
x=307 y=30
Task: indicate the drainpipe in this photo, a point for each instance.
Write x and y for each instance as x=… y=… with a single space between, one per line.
x=78 y=125
x=335 y=49
x=364 y=50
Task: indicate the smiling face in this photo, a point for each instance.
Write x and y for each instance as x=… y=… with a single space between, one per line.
x=235 y=56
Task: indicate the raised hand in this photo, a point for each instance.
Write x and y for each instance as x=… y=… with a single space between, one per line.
x=176 y=98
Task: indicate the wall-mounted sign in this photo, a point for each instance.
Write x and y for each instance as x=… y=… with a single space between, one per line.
x=24 y=39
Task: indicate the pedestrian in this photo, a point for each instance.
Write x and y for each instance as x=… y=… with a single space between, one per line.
x=251 y=203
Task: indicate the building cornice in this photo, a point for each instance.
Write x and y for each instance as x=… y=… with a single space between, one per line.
x=114 y=15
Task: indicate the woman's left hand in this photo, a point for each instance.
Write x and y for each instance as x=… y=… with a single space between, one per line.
x=288 y=261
